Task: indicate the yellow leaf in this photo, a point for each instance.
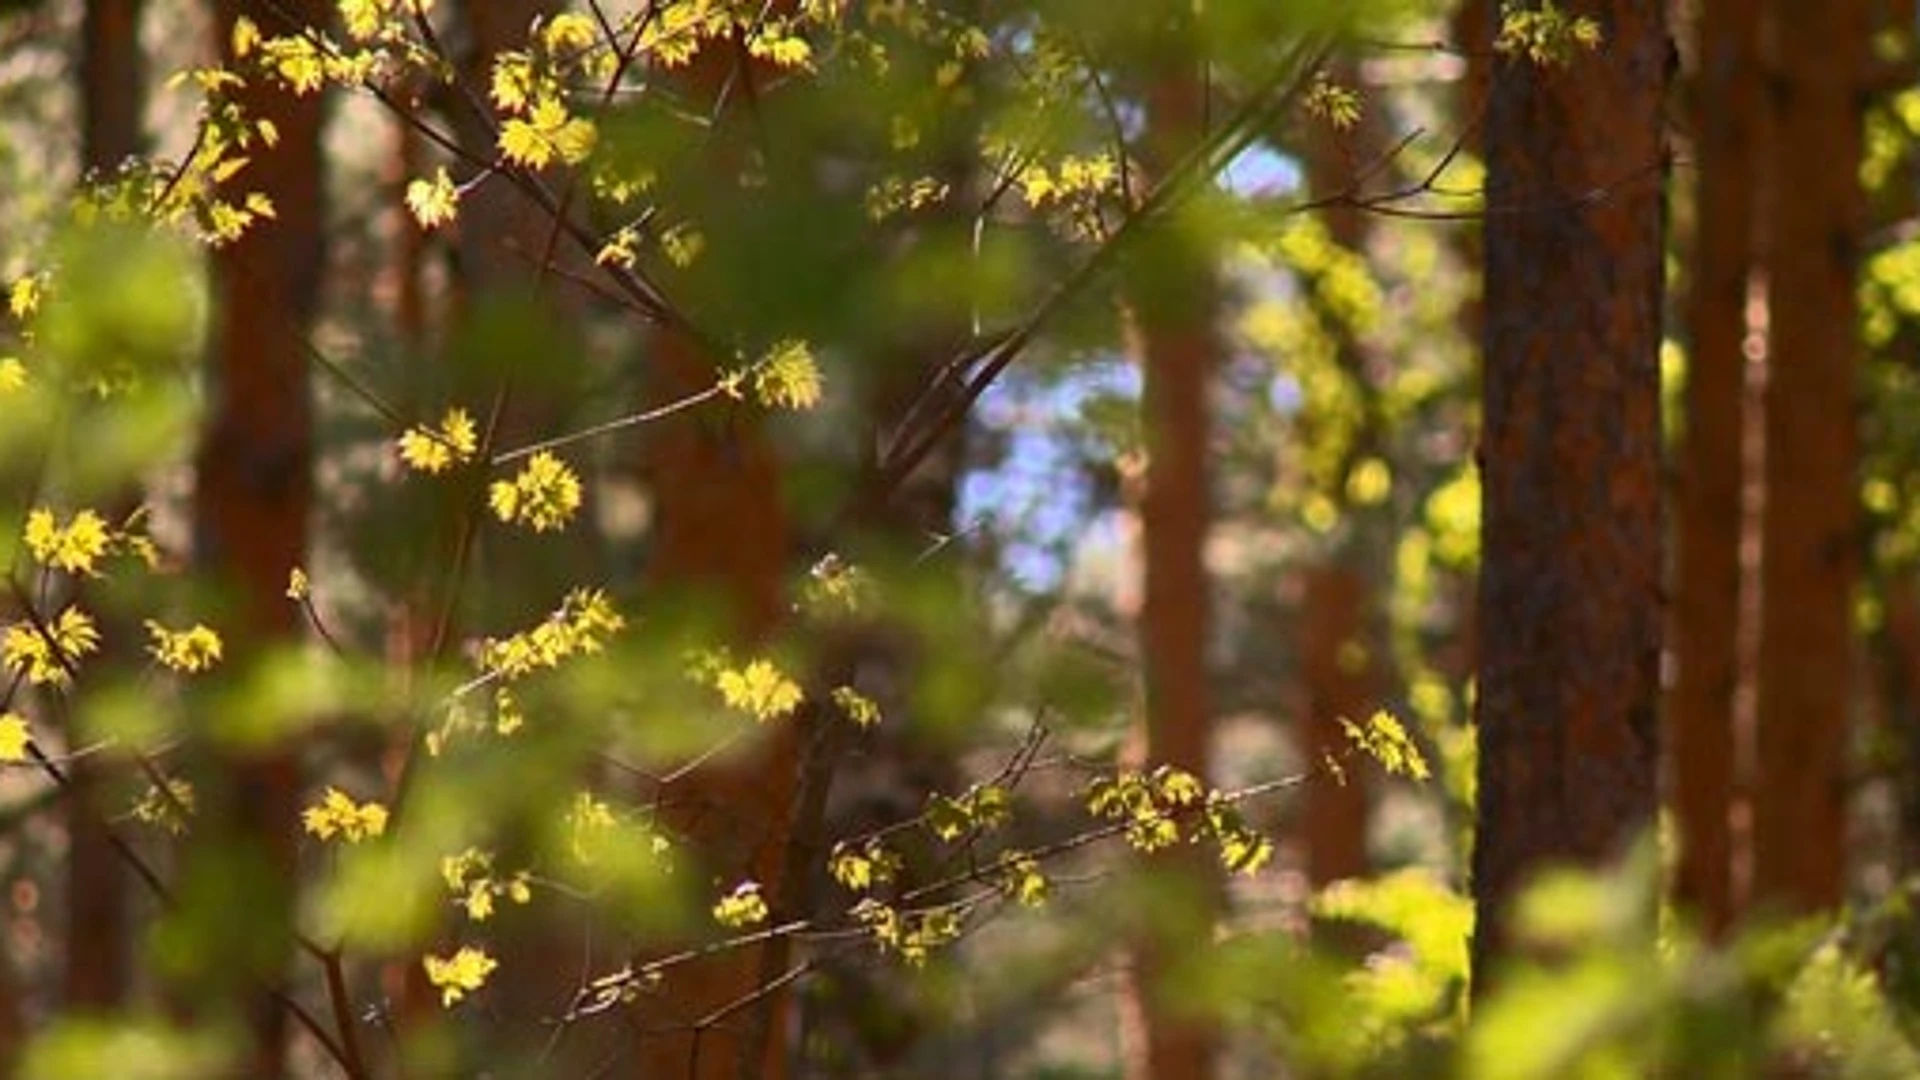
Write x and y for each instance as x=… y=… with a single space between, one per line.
x=520 y=141
x=788 y=377
x=512 y=85
x=575 y=139
x=435 y=449
x=46 y=657
x=543 y=497
x=194 y=649
x=14 y=736
x=741 y=908
x=759 y=690
x=364 y=19
x=460 y=974
x=23 y=297
x=298 y=62
x=434 y=202
x=246 y=36
x=338 y=815
x=571 y=30
x=782 y=50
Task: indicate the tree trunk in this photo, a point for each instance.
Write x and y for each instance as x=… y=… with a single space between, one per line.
x=1338 y=684
x=1706 y=592
x=254 y=481
x=1570 y=460
x=113 y=75
x=112 y=100
x=723 y=531
x=1810 y=550
x=723 y=535
x=1174 y=300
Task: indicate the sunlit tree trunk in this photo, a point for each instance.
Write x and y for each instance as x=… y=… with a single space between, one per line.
x=113 y=75
x=1335 y=670
x=253 y=479
x=1570 y=604
x=723 y=533
x=723 y=536
x=112 y=99
x=1810 y=550
x=1173 y=297
x=1706 y=591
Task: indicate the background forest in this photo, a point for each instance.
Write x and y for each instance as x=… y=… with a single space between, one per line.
x=939 y=538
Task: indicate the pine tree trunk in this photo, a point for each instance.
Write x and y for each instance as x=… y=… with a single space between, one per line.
x=1338 y=685
x=723 y=536
x=1174 y=300
x=113 y=75
x=1706 y=592
x=254 y=482
x=1810 y=548
x=1569 y=604
x=112 y=99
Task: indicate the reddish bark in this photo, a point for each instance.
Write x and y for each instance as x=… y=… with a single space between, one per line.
x=723 y=532
x=1569 y=617
x=253 y=481
x=112 y=99
x=1707 y=575
x=1810 y=558
x=1338 y=683
x=112 y=83
x=1174 y=301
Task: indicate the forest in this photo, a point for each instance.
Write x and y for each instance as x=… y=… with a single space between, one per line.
x=1044 y=539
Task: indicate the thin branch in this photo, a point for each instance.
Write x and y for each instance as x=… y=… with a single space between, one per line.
x=343 y=1015
x=608 y=427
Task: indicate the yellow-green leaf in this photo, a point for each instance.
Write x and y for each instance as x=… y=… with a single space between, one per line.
x=14 y=737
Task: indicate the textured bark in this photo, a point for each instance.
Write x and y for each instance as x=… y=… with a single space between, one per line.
x=112 y=99
x=1810 y=558
x=1706 y=591
x=1174 y=300
x=1570 y=461
x=253 y=481
x=1473 y=31
x=1337 y=685
x=113 y=76
x=723 y=533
